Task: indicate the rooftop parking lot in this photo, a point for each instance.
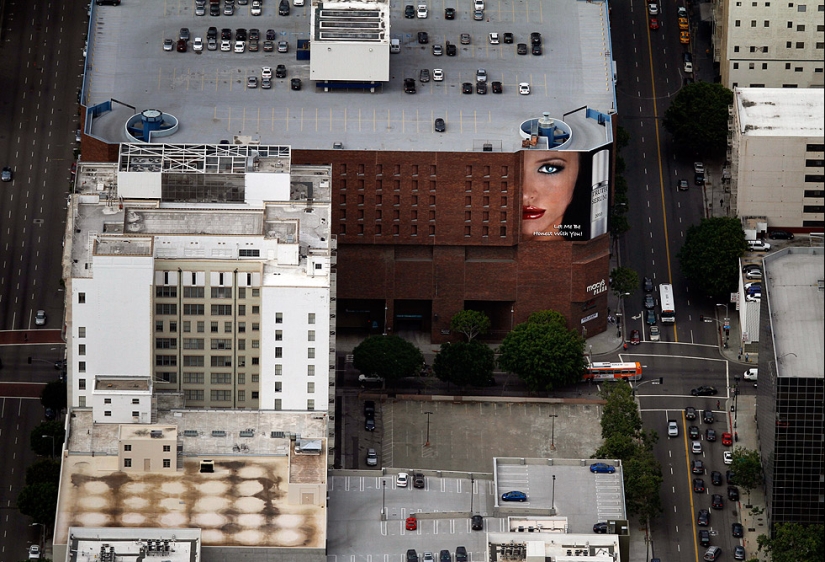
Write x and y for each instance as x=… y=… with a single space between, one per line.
x=208 y=91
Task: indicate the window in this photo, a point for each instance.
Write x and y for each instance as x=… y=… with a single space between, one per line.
x=166 y=292
x=751 y=66
x=278 y=370
x=221 y=310
x=193 y=292
x=241 y=344
x=166 y=308
x=241 y=310
x=766 y=23
x=107 y=400
x=108 y=413
x=193 y=378
x=255 y=394
x=279 y=352
x=736 y=66
x=221 y=361
x=277 y=405
x=193 y=309
x=196 y=395
x=310 y=370
x=310 y=404
x=81 y=298
x=311 y=353
x=81 y=349
x=256 y=293
x=736 y=49
x=81 y=366
x=192 y=343
x=256 y=360
x=256 y=309
x=166 y=343
x=221 y=343
x=127 y=448
x=166 y=376
x=173 y=326
x=801 y=8
x=764 y=66
x=166 y=360
x=193 y=361
x=814 y=178
x=158 y=325
x=167 y=463
x=787 y=66
x=135 y=414
x=800 y=44
x=242 y=292
x=241 y=396
x=213 y=327
x=81 y=332
x=201 y=325
x=249 y=253
x=279 y=335
x=815 y=148
x=256 y=326
x=127 y=463
x=256 y=378
x=753 y=23
x=310 y=335
x=81 y=384
x=279 y=317
x=278 y=386
x=310 y=388
x=220 y=395
x=241 y=378
x=221 y=378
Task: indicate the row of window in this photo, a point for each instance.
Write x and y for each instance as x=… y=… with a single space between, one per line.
x=396 y=214
x=216 y=378
x=200 y=326
x=279 y=370
x=788 y=45
x=310 y=387
x=220 y=395
x=171 y=291
x=167 y=463
x=414 y=169
x=799 y=7
x=199 y=343
x=414 y=200
x=199 y=360
x=767 y=23
x=109 y=401
x=378 y=185
x=395 y=230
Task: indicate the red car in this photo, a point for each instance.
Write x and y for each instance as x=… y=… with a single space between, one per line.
x=634 y=337
x=727 y=439
x=654 y=23
x=412 y=523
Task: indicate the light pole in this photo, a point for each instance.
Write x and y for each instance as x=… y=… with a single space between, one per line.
x=385 y=318
x=621 y=328
x=726 y=324
x=428 y=414
x=553 y=417
x=553 y=495
x=52 y=438
x=660 y=380
x=42 y=531
x=472 y=491
x=384 y=499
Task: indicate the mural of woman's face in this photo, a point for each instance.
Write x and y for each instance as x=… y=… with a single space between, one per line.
x=547 y=188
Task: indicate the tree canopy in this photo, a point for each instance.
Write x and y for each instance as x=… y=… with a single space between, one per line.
x=543 y=352
x=54 y=396
x=44 y=470
x=39 y=501
x=709 y=257
x=40 y=438
x=389 y=357
x=748 y=468
x=624 y=280
x=471 y=323
x=465 y=363
x=698 y=118
x=793 y=542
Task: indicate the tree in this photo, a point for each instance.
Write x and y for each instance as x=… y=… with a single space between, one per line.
x=642 y=484
x=748 y=468
x=54 y=396
x=465 y=363
x=620 y=415
x=543 y=352
x=793 y=542
x=698 y=118
x=39 y=501
x=389 y=357
x=709 y=257
x=40 y=438
x=471 y=323
x=624 y=280
x=44 y=470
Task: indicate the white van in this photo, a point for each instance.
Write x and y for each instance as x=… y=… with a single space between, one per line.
x=395 y=45
x=297 y=2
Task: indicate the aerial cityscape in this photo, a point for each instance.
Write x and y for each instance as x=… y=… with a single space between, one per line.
x=267 y=294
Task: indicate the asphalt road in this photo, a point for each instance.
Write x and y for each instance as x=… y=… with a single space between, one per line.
x=41 y=63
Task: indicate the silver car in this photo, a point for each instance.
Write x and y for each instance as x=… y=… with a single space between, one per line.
x=424 y=75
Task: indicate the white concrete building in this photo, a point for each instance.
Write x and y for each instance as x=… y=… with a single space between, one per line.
x=209 y=269
x=122 y=399
x=767 y=44
x=777 y=155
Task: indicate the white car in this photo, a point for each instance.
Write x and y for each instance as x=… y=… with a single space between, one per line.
x=653 y=9
x=758 y=246
x=240 y=46
x=481 y=75
x=524 y=88
x=34 y=552
x=266 y=72
x=698 y=167
x=688 y=68
x=672 y=428
x=654 y=333
x=438 y=75
x=255 y=10
x=369 y=378
x=226 y=45
x=494 y=38
x=478 y=4
x=750 y=374
x=422 y=11
x=696 y=447
x=402 y=480
x=197 y=44
x=298 y=2
x=40 y=318
x=728 y=456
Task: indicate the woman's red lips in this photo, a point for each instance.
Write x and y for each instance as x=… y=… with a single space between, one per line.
x=531 y=213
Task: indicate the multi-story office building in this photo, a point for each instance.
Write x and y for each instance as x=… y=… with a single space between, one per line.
x=791 y=393
x=766 y=44
x=777 y=155
x=208 y=267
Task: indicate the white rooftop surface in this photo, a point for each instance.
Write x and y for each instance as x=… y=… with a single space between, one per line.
x=243 y=503
x=781 y=112
x=207 y=92
x=797 y=310
x=184 y=544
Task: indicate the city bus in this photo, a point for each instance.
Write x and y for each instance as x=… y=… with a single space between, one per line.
x=667 y=304
x=613 y=372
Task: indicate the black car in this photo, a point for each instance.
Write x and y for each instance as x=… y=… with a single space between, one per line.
x=412 y=555
x=496 y=87
x=716 y=478
x=733 y=493
x=452 y=50
x=254 y=34
x=214 y=9
x=50 y=414
x=649 y=303
x=704 y=538
x=7 y=174
x=703 y=518
x=369 y=424
x=704 y=391
x=737 y=530
x=212 y=33
x=699 y=179
x=690 y=413
x=283 y=8
x=481 y=88
x=467 y=88
x=409 y=85
x=716 y=501
x=280 y=71
x=409 y=11
x=707 y=416
x=600 y=527
x=521 y=48
x=460 y=554
x=508 y=38
x=535 y=38
x=423 y=38
x=240 y=34
x=699 y=486
x=780 y=235
x=693 y=431
x=440 y=125
x=295 y=83
x=477 y=523
x=710 y=435
x=536 y=50
x=270 y=35
x=445 y=556
x=647 y=285
x=418 y=480
x=697 y=467
x=226 y=34
x=729 y=477
x=449 y=13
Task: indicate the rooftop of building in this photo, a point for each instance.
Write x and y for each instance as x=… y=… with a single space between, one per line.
x=794 y=279
x=206 y=92
x=780 y=112
x=102 y=382
x=242 y=503
x=556 y=546
x=94 y=544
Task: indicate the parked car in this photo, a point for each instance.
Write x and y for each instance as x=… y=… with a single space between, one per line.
x=738 y=552
x=650 y=317
x=409 y=85
x=445 y=556
x=758 y=246
x=649 y=302
x=780 y=235
x=362 y=378
x=411 y=524
x=168 y=45
x=369 y=423
x=466 y=88
x=524 y=89
x=34 y=552
x=712 y=553
x=295 y=83
x=477 y=523
x=181 y=46
x=635 y=338
x=710 y=435
x=460 y=554
x=418 y=480
x=372 y=457
x=440 y=126
x=729 y=477
x=409 y=11
x=280 y=71
x=465 y=38
x=508 y=38
x=737 y=530
x=401 y=480
x=514 y=496
x=423 y=37
x=751 y=374
x=600 y=527
x=449 y=13
x=412 y=555
x=704 y=538
x=654 y=333
x=602 y=468
x=521 y=49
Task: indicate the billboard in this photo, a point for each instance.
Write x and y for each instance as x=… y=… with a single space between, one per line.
x=565 y=194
